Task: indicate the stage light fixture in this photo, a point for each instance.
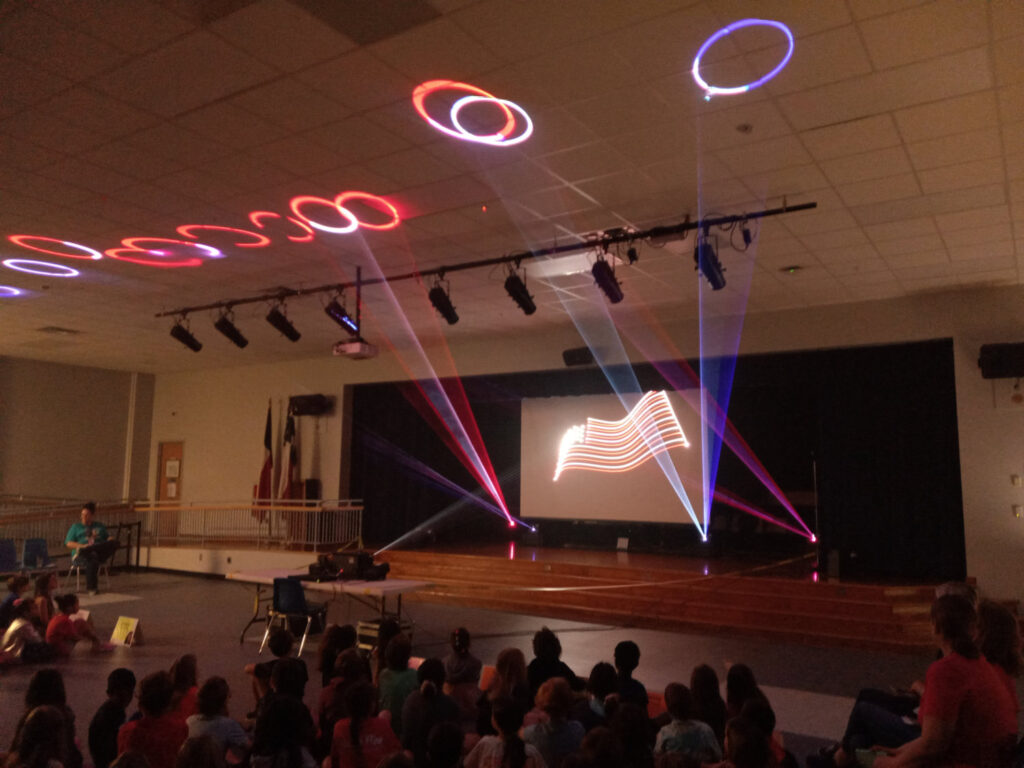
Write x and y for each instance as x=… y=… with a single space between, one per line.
x=443 y=302
x=516 y=288
x=632 y=255
x=706 y=262
x=182 y=334
x=277 y=319
x=604 y=276
x=227 y=327
x=337 y=312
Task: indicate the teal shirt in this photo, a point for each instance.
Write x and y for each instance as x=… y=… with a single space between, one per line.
x=80 y=533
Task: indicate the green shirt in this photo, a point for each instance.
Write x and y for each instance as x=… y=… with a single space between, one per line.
x=80 y=533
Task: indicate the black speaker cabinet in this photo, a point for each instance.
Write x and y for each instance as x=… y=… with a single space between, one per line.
x=310 y=405
x=578 y=356
x=1002 y=361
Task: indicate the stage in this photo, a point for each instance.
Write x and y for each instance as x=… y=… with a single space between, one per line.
x=782 y=599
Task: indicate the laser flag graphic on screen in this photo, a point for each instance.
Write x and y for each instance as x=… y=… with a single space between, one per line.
x=619 y=446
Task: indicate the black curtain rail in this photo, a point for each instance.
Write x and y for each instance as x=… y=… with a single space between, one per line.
x=601 y=240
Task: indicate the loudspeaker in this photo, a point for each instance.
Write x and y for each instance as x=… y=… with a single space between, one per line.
x=1002 y=361
x=310 y=405
x=578 y=356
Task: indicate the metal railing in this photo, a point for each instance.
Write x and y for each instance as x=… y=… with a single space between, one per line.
x=269 y=524
x=51 y=521
x=263 y=524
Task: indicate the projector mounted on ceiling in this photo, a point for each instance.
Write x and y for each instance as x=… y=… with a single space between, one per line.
x=355 y=350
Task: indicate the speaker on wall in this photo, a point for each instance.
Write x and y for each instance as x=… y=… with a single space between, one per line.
x=310 y=405
x=1002 y=361
x=578 y=356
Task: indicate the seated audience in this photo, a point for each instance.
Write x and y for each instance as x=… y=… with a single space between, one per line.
x=185 y=676
x=759 y=712
x=746 y=745
x=350 y=668
x=387 y=630
x=46 y=689
x=200 y=752
x=627 y=659
x=967 y=714
x=1000 y=643
x=509 y=681
x=283 y=735
x=111 y=715
x=632 y=727
x=506 y=749
x=130 y=759
x=444 y=745
x=396 y=681
x=362 y=739
x=547 y=663
x=37 y=747
x=17 y=586
x=157 y=735
x=708 y=704
x=600 y=748
x=424 y=708
x=462 y=675
x=685 y=734
x=591 y=712
x=21 y=640
x=336 y=639
x=45 y=610
x=63 y=632
x=559 y=736
x=280 y=643
x=213 y=720
x=740 y=686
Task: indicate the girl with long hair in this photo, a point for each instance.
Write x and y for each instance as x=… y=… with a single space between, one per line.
x=509 y=681
x=363 y=739
x=506 y=749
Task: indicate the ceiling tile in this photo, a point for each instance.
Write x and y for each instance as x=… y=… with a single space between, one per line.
x=1008 y=58
x=765 y=155
x=32 y=36
x=962 y=175
x=437 y=49
x=868 y=165
x=281 y=34
x=29 y=84
x=291 y=105
x=957 y=115
x=959 y=148
x=134 y=26
x=356 y=139
x=950 y=25
x=184 y=75
x=360 y=81
x=851 y=138
x=900 y=229
x=943 y=77
x=231 y=126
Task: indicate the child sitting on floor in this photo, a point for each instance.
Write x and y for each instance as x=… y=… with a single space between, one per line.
x=63 y=632
x=21 y=641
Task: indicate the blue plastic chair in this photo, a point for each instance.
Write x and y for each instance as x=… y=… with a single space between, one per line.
x=35 y=556
x=290 y=602
x=8 y=557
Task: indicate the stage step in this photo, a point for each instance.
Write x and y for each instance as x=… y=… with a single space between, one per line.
x=858 y=615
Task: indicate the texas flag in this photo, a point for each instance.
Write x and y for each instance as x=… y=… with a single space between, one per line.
x=289 y=462
x=265 y=487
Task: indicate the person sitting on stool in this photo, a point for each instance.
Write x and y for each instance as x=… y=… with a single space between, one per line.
x=92 y=545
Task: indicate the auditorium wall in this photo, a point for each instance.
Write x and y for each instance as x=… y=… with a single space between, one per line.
x=219 y=414
x=73 y=432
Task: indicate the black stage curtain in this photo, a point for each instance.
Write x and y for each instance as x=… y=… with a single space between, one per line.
x=874 y=426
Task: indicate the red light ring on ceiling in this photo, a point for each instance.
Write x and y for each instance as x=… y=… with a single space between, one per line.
x=19 y=265
x=297 y=202
x=256 y=218
x=375 y=201
x=423 y=90
x=130 y=246
x=261 y=241
x=93 y=254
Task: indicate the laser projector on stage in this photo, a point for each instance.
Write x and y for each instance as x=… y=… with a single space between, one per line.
x=355 y=350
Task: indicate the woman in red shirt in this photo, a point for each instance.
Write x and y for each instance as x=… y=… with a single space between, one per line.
x=968 y=718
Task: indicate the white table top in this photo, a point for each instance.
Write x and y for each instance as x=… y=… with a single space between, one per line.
x=379 y=589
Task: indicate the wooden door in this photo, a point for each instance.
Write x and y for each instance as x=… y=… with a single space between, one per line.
x=169 y=486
